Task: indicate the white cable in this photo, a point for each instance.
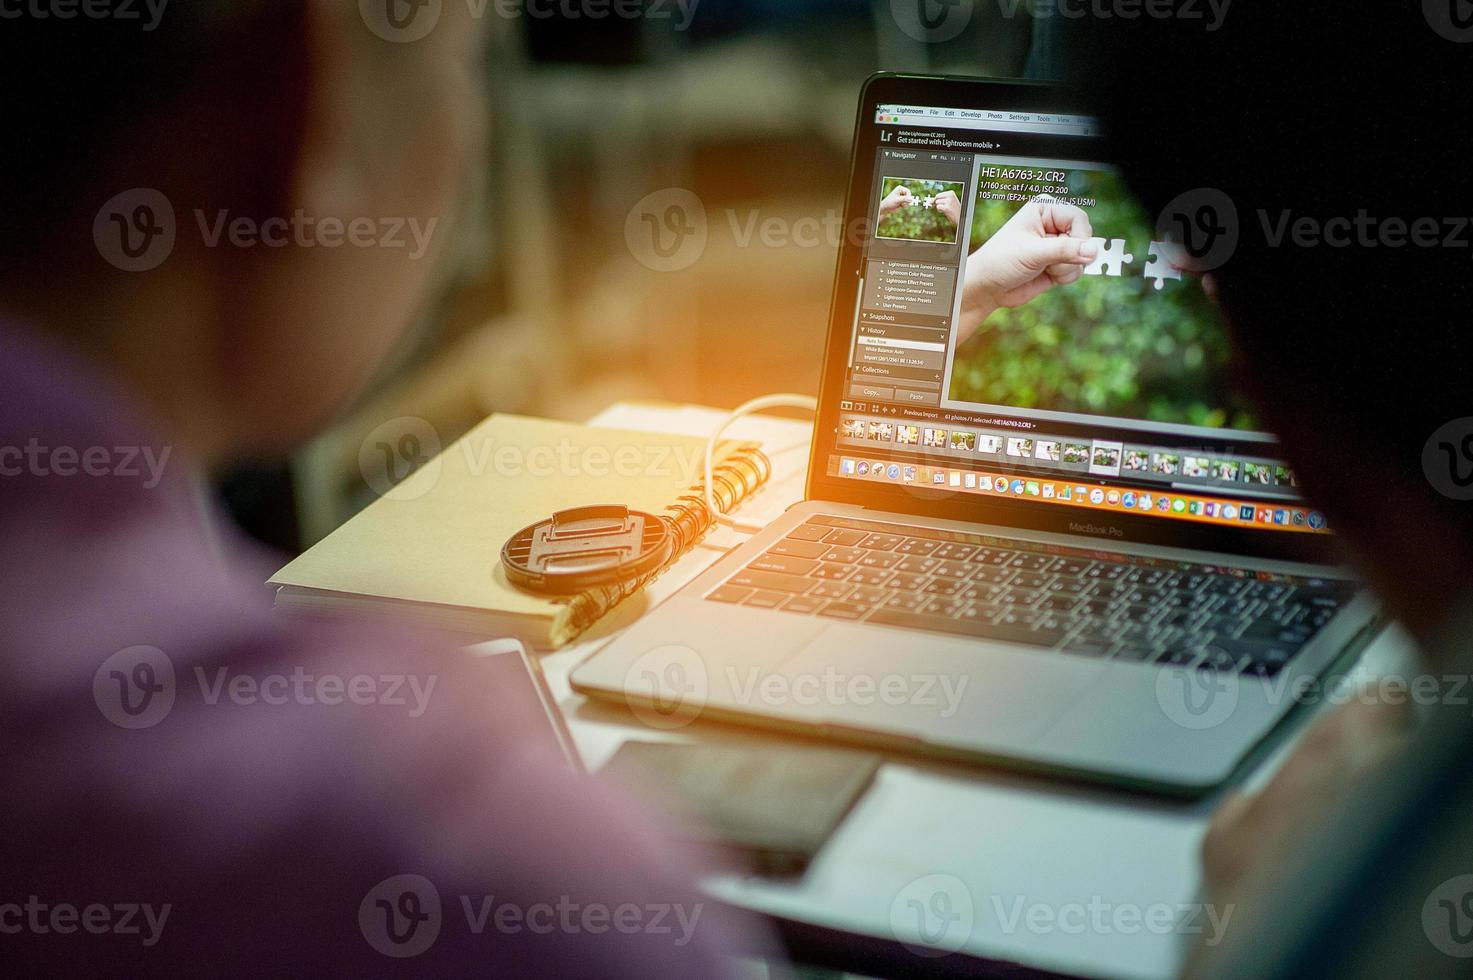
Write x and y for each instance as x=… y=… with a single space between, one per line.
x=755 y=405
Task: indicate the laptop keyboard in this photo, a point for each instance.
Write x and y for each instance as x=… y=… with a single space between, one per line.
x=1073 y=600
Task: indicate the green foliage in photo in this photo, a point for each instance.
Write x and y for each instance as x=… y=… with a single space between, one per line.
x=1103 y=345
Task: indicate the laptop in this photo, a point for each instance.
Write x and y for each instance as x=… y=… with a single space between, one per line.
x=1041 y=530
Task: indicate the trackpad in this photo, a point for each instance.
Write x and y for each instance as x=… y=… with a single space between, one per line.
x=967 y=692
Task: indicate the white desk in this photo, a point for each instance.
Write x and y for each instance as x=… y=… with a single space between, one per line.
x=1002 y=842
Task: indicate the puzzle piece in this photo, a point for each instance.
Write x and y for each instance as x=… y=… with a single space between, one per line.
x=927 y=202
x=1110 y=260
x=1165 y=257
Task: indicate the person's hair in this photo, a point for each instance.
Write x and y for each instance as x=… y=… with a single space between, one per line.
x=1321 y=110
x=83 y=91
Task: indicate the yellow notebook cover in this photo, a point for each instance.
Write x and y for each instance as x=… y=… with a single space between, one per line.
x=435 y=539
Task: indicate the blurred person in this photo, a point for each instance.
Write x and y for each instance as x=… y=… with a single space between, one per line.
x=1328 y=132
x=183 y=793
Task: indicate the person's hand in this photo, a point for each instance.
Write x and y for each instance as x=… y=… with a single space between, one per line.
x=896 y=199
x=1340 y=748
x=950 y=205
x=1045 y=244
x=1252 y=838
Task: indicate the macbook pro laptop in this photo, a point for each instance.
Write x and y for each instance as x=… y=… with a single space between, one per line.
x=1040 y=529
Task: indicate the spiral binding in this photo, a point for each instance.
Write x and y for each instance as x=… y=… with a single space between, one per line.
x=740 y=474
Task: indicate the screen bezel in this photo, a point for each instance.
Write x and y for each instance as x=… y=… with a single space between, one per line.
x=973 y=93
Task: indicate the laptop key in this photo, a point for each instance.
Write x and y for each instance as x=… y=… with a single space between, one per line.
x=832 y=570
x=917 y=546
x=844 y=537
x=918 y=565
x=870 y=576
x=1139 y=652
x=802 y=604
x=809 y=532
x=728 y=593
x=845 y=555
x=881 y=542
x=771 y=581
x=868 y=595
x=944 y=607
x=1219 y=660
x=954 y=552
x=909 y=581
x=977 y=629
x=1179 y=657
x=831 y=590
x=766 y=600
x=843 y=610
x=784 y=564
x=1087 y=647
x=879 y=559
x=799 y=549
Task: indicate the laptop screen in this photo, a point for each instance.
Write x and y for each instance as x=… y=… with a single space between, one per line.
x=1098 y=386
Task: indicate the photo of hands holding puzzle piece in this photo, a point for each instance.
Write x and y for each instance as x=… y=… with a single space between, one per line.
x=1166 y=260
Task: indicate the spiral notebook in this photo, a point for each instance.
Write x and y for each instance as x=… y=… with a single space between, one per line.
x=431 y=547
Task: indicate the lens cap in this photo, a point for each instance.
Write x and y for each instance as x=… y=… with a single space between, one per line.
x=585 y=548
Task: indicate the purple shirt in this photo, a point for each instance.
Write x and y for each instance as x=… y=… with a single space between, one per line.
x=192 y=782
